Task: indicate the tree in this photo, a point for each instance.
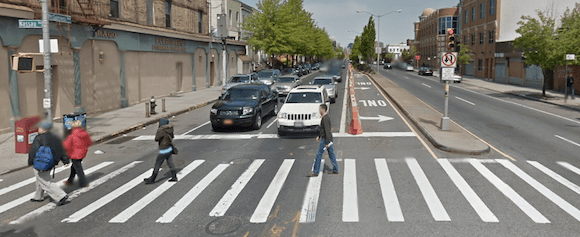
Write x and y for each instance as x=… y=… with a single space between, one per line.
x=569 y=36
x=340 y=53
x=355 y=51
x=537 y=39
x=409 y=55
x=463 y=56
x=389 y=57
x=367 y=43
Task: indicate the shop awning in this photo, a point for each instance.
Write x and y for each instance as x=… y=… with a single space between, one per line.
x=244 y=58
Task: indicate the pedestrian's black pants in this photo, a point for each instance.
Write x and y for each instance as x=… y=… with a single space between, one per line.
x=159 y=162
x=77 y=169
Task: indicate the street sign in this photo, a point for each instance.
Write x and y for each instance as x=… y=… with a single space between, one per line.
x=46 y=103
x=417 y=57
x=449 y=60
x=30 y=24
x=53 y=46
x=571 y=57
x=447 y=73
x=59 y=18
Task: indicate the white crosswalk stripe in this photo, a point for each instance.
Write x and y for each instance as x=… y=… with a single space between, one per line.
x=267 y=202
x=188 y=198
x=224 y=204
x=435 y=206
x=392 y=206
x=509 y=192
x=26 y=198
x=555 y=176
x=26 y=182
x=310 y=203
x=569 y=167
x=350 y=198
x=150 y=197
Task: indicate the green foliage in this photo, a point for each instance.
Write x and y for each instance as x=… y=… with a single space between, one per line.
x=340 y=53
x=355 y=51
x=463 y=56
x=367 y=41
x=538 y=38
x=409 y=55
x=569 y=36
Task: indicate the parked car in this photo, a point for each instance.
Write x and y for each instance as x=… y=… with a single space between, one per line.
x=286 y=83
x=316 y=66
x=240 y=79
x=244 y=105
x=300 y=70
x=410 y=68
x=269 y=76
x=457 y=77
x=329 y=84
x=307 y=67
x=289 y=71
x=387 y=66
x=425 y=71
x=299 y=113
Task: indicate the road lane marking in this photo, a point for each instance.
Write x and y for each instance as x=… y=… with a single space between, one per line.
x=196 y=128
x=569 y=167
x=190 y=196
x=426 y=85
x=26 y=182
x=273 y=136
x=50 y=206
x=464 y=100
x=125 y=215
x=224 y=204
x=556 y=176
x=344 y=105
x=566 y=206
x=569 y=141
x=435 y=206
x=310 y=202
x=391 y=202
x=87 y=210
x=26 y=198
x=350 y=197
x=476 y=203
x=507 y=191
x=267 y=202
x=272 y=123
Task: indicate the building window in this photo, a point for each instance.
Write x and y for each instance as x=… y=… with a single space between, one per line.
x=465 y=39
x=466 y=16
x=61 y=4
x=447 y=22
x=167 y=13
x=480 y=65
x=230 y=16
x=482 y=11
x=491 y=36
x=472 y=39
x=115 y=8
x=237 y=18
x=473 y=14
x=492 y=7
x=199 y=22
x=481 y=35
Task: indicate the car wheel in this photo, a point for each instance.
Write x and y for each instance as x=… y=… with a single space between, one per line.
x=333 y=100
x=281 y=134
x=258 y=121
x=275 y=111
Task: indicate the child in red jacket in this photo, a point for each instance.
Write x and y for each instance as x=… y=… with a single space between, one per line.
x=76 y=145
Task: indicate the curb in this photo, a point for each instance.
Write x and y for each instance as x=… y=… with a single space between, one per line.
x=355 y=127
x=426 y=133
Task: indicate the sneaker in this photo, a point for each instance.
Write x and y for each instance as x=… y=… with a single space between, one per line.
x=62 y=201
x=36 y=200
x=312 y=174
x=68 y=183
x=149 y=181
x=173 y=180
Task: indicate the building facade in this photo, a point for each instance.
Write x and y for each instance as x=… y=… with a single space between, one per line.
x=119 y=54
x=430 y=33
x=396 y=50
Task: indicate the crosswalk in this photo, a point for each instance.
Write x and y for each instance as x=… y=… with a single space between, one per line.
x=531 y=173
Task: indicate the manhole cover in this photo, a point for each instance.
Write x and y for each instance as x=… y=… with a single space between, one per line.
x=499 y=126
x=121 y=140
x=224 y=225
x=240 y=161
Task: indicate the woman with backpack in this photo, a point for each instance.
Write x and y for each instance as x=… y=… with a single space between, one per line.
x=76 y=145
x=164 y=137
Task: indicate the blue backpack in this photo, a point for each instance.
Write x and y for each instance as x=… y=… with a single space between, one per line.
x=44 y=159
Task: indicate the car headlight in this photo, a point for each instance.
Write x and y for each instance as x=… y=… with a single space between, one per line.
x=213 y=111
x=268 y=82
x=247 y=110
x=282 y=115
x=315 y=115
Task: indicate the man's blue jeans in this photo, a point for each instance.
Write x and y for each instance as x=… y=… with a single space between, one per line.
x=319 y=157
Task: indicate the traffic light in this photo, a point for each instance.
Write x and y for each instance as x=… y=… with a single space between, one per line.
x=450 y=40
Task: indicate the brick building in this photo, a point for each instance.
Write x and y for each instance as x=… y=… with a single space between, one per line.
x=114 y=54
x=479 y=30
x=430 y=33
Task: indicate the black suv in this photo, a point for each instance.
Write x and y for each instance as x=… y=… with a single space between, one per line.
x=244 y=105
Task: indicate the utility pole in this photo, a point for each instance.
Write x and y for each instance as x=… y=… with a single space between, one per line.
x=225 y=62
x=227 y=33
x=47 y=102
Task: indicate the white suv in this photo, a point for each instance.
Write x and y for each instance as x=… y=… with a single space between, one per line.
x=300 y=110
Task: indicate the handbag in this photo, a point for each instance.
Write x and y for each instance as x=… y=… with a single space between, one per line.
x=174 y=150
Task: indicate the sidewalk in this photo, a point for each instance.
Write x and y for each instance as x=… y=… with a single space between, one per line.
x=106 y=126
x=428 y=121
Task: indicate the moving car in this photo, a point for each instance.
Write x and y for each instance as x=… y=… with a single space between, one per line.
x=288 y=71
x=329 y=85
x=336 y=74
x=316 y=66
x=268 y=76
x=240 y=79
x=299 y=113
x=244 y=105
x=410 y=68
x=286 y=83
x=300 y=70
x=387 y=66
x=425 y=71
x=308 y=67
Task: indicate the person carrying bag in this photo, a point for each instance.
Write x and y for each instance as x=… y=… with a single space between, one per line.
x=164 y=137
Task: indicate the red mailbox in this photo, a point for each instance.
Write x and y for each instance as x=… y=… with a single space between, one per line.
x=25 y=131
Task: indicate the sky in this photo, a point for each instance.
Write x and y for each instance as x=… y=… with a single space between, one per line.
x=340 y=16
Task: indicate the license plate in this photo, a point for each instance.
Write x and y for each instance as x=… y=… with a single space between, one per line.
x=299 y=124
x=228 y=122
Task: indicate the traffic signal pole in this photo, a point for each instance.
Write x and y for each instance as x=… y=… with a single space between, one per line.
x=47 y=102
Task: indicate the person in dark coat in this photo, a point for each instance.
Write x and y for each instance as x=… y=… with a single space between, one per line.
x=325 y=139
x=569 y=86
x=164 y=137
x=44 y=181
x=76 y=145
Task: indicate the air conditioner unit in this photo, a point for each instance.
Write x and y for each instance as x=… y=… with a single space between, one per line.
x=23 y=64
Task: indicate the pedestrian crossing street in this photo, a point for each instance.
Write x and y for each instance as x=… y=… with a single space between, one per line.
x=386 y=176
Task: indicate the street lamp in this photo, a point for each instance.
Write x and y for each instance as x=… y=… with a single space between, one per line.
x=378 y=28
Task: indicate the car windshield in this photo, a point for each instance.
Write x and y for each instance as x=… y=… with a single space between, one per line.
x=320 y=81
x=265 y=74
x=287 y=71
x=239 y=79
x=241 y=94
x=304 y=97
x=285 y=80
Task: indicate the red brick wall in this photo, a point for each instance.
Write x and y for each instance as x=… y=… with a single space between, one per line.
x=560 y=78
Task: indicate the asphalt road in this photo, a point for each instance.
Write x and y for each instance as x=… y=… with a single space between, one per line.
x=251 y=183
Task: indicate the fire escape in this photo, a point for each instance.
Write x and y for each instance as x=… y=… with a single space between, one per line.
x=85 y=12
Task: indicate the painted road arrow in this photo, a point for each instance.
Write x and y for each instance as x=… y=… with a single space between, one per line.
x=380 y=118
x=362 y=88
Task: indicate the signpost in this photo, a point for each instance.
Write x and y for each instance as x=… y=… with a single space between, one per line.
x=448 y=65
x=30 y=24
x=569 y=57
